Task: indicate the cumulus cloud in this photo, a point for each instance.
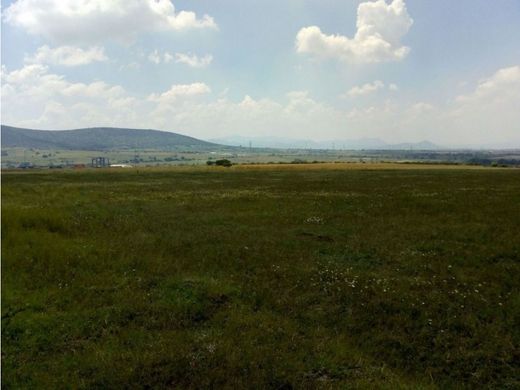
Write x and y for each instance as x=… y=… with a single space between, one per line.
x=35 y=97
x=154 y=57
x=32 y=96
x=192 y=60
x=501 y=87
x=132 y=66
x=368 y=88
x=491 y=110
x=95 y=21
x=298 y=114
x=180 y=91
x=380 y=28
x=67 y=55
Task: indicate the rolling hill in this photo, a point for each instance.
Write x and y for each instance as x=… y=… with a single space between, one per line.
x=99 y=138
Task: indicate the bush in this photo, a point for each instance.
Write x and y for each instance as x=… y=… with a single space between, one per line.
x=224 y=163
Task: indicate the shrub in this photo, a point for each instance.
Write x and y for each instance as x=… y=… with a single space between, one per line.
x=224 y=163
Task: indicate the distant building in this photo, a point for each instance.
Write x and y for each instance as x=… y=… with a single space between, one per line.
x=25 y=165
x=100 y=162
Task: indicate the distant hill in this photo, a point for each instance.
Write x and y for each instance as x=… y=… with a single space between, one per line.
x=346 y=144
x=99 y=138
x=423 y=145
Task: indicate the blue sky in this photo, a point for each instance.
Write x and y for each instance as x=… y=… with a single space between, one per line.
x=402 y=70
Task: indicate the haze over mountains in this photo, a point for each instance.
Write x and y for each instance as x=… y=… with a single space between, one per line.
x=111 y=138
x=346 y=144
x=114 y=138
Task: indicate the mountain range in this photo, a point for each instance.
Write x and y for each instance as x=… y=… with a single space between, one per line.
x=99 y=138
x=113 y=138
x=350 y=144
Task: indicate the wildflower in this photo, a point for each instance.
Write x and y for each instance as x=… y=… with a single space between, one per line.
x=316 y=220
x=211 y=348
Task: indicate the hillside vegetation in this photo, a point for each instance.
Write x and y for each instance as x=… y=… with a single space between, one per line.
x=98 y=138
x=261 y=278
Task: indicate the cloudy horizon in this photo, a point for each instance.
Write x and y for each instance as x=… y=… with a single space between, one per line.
x=396 y=70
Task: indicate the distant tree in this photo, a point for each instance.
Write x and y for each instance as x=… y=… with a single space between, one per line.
x=210 y=162
x=223 y=163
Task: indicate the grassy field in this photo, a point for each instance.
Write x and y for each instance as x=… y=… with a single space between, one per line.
x=13 y=157
x=262 y=277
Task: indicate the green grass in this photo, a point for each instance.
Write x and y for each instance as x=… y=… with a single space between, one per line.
x=261 y=278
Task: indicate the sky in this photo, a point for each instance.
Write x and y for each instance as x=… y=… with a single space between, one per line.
x=398 y=70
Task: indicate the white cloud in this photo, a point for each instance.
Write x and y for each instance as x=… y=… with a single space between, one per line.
x=380 y=28
x=421 y=108
x=24 y=75
x=154 y=57
x=131 y=66
x=180 y=91
x=491 y=111
x=34 y=97
x=193 y=60
x=501 y=87
x=95 y=21
x=366 y=89
x=299 y=115
x=168 y=57
x=67 y=55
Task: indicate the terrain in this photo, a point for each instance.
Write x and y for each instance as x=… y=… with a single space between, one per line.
x=342 y=144
x=97 y=138
x=262 y=276
x=26 y=148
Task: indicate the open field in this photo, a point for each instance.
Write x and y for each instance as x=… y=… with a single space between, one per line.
x=13 y=157
x=300 y=276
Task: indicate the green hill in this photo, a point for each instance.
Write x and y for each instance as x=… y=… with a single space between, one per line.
x=98 y=138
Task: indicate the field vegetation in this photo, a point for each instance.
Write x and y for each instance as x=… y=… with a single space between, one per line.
x=17 y=157
x=294 y=276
